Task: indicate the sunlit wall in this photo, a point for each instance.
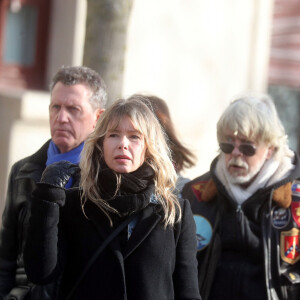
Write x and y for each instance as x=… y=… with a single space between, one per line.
x=198 y=55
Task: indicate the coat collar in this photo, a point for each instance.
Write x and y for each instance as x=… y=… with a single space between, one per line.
x=147 y=220
x=282 y=194
x=146 y=223
x=34 y=165
x=98 y=219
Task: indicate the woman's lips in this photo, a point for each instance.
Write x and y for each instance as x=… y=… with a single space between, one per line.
x=122 y=157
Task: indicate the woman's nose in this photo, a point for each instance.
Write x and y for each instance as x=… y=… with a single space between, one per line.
x=123 y=143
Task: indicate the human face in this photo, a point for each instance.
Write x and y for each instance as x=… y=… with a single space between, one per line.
x=72 y=117
x=241 y=168
x=124 y=147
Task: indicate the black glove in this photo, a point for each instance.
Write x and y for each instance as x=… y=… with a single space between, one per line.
x=59 y=173
x=53 y=180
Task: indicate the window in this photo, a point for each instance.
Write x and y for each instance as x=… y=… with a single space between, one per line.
x=23 y=43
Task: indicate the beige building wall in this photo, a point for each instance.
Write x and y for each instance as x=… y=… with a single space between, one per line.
x=198 y=55
x=67 y=33
x=195 y=54
x=24 y=128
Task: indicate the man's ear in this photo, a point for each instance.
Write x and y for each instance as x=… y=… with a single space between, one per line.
x=98 y=114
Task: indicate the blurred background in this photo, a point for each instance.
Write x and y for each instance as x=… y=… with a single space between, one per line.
x=197 y=55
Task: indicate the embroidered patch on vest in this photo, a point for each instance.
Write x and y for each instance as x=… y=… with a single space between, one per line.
x=296 y=188
x=294 y=277
x=198 y=188
x=280 y=217
x=203 y=232
x=295 y=206
x=289 y=246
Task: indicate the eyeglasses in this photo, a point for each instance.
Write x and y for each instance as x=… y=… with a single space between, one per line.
x=246 y=149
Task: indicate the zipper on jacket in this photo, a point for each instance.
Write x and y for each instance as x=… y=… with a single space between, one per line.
x=239 y=213
x=240 y=223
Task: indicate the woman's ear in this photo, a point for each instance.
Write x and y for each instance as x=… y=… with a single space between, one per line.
x=271 y=150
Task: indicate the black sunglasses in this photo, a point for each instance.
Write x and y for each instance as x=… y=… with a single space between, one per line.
x=246 y=149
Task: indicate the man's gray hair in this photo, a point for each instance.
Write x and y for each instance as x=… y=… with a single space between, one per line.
x=86 y=76
x=254 y=117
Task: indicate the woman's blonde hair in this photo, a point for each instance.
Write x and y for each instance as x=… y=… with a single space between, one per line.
x=157 y=156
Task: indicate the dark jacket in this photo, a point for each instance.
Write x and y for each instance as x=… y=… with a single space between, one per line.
x=248 y=251
x=22 y=181
x=155 y=263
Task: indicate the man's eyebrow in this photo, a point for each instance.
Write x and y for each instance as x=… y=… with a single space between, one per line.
x=73 y=105
x=242 y=139
x=247 y=140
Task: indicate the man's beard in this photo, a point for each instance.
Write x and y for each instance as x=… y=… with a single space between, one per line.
x=242 y=179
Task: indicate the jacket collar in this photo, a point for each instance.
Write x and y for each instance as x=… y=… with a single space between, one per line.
x=35 y=164
x=282 y=194
x=147 y=222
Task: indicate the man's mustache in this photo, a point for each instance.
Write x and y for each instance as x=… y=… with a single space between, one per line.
x=238 y=162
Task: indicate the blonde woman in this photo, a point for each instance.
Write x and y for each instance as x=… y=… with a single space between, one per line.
x=126 y=176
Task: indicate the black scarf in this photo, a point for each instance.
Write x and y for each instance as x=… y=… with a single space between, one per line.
x=134 y=192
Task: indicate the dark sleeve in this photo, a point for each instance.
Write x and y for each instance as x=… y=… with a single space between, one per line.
x=7 y=276
x=43 y=253
x=8 y=238
x=186 y=275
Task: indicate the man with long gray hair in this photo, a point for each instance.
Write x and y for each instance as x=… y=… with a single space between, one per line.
x=247 y=208
x=78 y=97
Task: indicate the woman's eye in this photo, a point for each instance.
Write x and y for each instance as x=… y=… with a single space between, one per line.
x=135 y=137
x=112 y=135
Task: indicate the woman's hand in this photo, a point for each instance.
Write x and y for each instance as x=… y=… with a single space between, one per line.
x=59 y=173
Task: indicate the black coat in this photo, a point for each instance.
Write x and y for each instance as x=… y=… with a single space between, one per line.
x=22 y=181
x=155 y=264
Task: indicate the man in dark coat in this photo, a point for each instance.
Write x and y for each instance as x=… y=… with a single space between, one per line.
x=247 y=208
x=78 y=97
